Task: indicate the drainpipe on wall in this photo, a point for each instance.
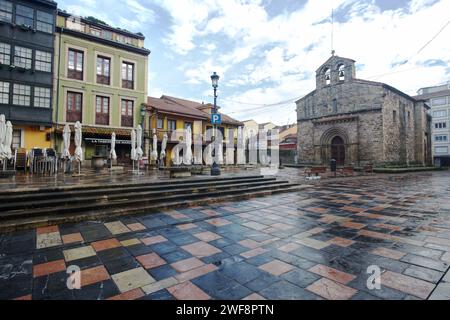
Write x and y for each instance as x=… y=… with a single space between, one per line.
x=57 y=89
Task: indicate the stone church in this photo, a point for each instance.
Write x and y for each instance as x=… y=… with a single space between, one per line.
x=358 y=122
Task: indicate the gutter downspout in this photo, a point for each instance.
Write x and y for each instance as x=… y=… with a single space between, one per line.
x=57 y=86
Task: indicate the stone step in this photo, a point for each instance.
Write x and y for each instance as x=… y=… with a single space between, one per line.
x=132 y=202
x=25 y=191
x=23 y=203
x=19 y=223
x=100 y=190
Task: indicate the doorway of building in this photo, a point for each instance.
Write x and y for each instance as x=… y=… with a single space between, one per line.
x=338 y=150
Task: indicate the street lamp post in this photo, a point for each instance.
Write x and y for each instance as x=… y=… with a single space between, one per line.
x=215 y=168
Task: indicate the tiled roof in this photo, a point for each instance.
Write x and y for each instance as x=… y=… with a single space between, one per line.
x=169 y=106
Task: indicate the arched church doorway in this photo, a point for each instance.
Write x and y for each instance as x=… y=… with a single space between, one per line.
x=338 y=150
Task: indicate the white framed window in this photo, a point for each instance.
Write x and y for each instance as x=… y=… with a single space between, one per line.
x=4 y=92
x=440 y=125
x=23 y=57
x=43 y=61
x=441 y=138
x=96 y=32
x=5 y=53
x=44 y=22
x=6 y=9
x=439 y=113
x=439 y=101
x=21 y=95
x=24 y=15
x=441 y=150
x=42 y=97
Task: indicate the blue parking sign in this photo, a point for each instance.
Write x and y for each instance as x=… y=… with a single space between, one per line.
x=216 y=118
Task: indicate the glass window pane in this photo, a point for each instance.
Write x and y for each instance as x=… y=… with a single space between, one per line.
x=6 y=11
x=5 y=53
x=4 y=92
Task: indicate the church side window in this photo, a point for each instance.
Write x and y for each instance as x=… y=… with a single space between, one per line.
x=335 y=106
x=327 y=76
x=341 y=72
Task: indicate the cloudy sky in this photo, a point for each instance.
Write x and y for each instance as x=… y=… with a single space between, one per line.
x=266 y=51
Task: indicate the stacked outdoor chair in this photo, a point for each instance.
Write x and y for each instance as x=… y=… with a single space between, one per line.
x=20 y=159
x=50 y=161
x=37 y=160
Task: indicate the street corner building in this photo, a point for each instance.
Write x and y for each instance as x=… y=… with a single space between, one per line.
x=167 y=115
x=26 y=70
x=358 y=122
x=101 y=82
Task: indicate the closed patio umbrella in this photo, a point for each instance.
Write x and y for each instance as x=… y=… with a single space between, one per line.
x=66 y=142
x=78 y=150
x=163 y=147
x=240 y=147
x=188 y=140
x=139 y=152
x=2 y=136
x=65 y=155
x=8 y=140
x=154 y=155
x=133 y=145
x=113 y=148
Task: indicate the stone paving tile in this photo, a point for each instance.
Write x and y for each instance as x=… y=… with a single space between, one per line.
x=93 y=275
x=331 y=290
x=300 y=277
x=312 y=243
x=117 y=227
x=105 y=244
x=284 y=290
x=201 y=249
x=72 y=238
x=47 y=240
x=207 y=236
x=151 y=260
x=251 y=244
x=218 y=222
x=186 y=226
x=342 y=242
x=78 y=253
x=332 y=274
x=194 y=273
x=136 y=226
x=130 y=242
x=407 y=284
x=188 y=291
x=48 y=268
x=425 y=262
x=253 y=253
x=388 y=253
x=276 y=267
x=153 y=240
x=132 y=279
x=423 y=274
x=186 y=265
x=49 y=229
x=160 y=285
x=130 y=295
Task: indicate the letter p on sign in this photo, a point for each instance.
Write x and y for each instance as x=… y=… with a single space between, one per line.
x=216 y=118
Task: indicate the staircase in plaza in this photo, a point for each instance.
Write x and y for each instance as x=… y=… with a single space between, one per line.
x=24 y=208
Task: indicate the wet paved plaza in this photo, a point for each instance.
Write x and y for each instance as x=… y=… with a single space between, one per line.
x=314 y=244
